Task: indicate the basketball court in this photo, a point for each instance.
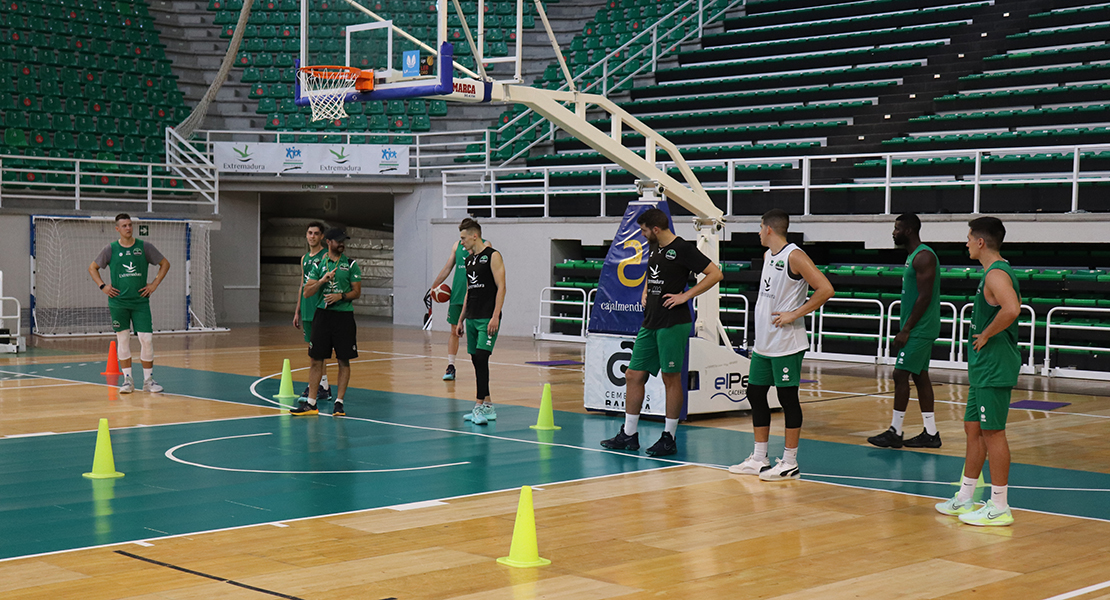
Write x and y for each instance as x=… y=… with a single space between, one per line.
x=226 y=496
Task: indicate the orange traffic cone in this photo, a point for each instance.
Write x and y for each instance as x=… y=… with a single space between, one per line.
x=113 y=361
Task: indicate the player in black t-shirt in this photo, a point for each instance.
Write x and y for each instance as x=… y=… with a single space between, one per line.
x=661 y=343
x=481 y=312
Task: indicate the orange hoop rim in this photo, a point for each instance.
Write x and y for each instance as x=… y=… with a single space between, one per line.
x=332 y=72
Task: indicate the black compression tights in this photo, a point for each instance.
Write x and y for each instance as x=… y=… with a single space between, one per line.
x=481 y=372
x=761 y=411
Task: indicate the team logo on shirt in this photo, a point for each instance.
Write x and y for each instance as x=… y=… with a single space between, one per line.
x=130 y=267
x=483 y=259
x=671 y=254
x=779 y=265
x=767 y=284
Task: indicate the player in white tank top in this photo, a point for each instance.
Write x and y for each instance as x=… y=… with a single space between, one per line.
x=780 y=291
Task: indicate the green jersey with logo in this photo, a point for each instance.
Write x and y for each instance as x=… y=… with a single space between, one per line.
x=458 y=281
x=308 y=305
x=128 y=266
x=347 y=272
x=997 y=363
x=928 y=326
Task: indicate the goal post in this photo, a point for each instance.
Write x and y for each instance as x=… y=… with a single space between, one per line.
x=65 y=302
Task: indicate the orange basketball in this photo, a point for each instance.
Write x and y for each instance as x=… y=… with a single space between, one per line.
x=442 y=293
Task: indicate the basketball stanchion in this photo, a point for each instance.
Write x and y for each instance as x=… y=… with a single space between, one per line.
x=285 y=392
x=546 y=419
x=113 y=361
x=104 y=463
x=524 y=551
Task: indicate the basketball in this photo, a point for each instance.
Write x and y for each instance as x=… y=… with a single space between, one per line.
x=442 y=293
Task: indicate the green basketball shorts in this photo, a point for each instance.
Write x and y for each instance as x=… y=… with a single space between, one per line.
x=915 y=355
x=989 y=406
x=132 y=317
x=777 y=371
x=660 y=349
x=477 y=336
x=454 y=311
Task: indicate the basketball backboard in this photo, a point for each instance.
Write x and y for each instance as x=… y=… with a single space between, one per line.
x=417 y=48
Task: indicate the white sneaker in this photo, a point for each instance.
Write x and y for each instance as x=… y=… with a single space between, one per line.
x=750 y=466
x=478 y=415
x=128 y=385
x=780 y=472
x=151 y=386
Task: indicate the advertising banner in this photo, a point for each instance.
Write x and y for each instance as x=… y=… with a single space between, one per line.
x=311 y=159
x=607 y=359
x=616 y=307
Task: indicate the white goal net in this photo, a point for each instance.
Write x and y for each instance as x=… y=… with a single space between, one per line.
x=65 y=301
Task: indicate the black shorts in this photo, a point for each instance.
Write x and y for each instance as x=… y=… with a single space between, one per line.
x=333 y=329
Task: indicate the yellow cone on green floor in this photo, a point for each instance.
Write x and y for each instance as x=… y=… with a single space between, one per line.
x=285 y=392
x=104 y=463
x=546 y=420
x=524 y=551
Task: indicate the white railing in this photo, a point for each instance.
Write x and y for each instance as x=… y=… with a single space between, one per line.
x=822 y=330
x=546 y=301
x=1027 y=368
x=458 y=184
x=743 y=311
x=428 y=152
x=185 y=159
x=15 y=341
x=1048 y=370
x=644 y=49
x=893 y=320
x=94 y=181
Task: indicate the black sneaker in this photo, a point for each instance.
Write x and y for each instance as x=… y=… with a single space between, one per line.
x=304 y=409
x=924 y=440
x=622 y=442
x=450 y=374
x=666 y=446
x=323 y=393
x=886 y=439
x=304 y=394
x=337 y=410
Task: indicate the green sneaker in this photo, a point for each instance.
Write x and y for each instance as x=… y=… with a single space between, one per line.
x=954 y=508
x=989 y=516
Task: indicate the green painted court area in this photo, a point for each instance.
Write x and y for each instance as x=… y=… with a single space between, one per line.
x=391 y=449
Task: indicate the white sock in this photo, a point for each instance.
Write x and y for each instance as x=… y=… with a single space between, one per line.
x=324 y=381
x=148 y=373
x=998 y=496
x=967 y=488
x=896 y=420
x=760 y=452
x=670 y=426
x=339 y=401
x=126 y=371
x=311 y=401
x=790 y=456
x=631 y=422
x=451 y=359
x=930 y=422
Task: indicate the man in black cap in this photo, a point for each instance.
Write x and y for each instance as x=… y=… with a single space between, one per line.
x=333 y=325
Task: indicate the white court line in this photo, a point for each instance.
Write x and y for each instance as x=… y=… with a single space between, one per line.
x=36 y=387
x=956 y=483
x=876 y=395
x=170 y=455
x=1082 y=592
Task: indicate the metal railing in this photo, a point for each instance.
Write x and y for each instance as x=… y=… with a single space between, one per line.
x=741 y=311
x=596 y=77
x=542 y=189
x=428 y=152
x=83 y=181
x=15 y=341
x=551 y=304
x=1027 y=368
x=822 y=330
x=1048 y=370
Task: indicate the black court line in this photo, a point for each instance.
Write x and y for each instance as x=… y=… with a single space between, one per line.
x=213 y=577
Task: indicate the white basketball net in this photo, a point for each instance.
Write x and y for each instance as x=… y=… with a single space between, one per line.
x=325 y=88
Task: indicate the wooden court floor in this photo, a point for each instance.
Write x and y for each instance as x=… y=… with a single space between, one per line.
x=676 y=529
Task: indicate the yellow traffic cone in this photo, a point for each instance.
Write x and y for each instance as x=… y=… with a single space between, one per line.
x=546 y=419
x=285 y=392
x=104 y=464
x=524 y=552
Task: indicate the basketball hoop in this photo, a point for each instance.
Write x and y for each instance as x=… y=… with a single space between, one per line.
x=326 y=86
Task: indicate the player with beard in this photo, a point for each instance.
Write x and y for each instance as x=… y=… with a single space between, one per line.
x=663 y=338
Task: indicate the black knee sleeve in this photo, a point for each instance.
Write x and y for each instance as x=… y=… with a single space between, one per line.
x=791 y=407
x=481 y=372
x=761 y=411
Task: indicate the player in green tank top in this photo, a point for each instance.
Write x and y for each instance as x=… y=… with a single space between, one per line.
x=455 y=268
x=993 y=364
x=127 y=260
x=920 y=326
x=306 y=307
